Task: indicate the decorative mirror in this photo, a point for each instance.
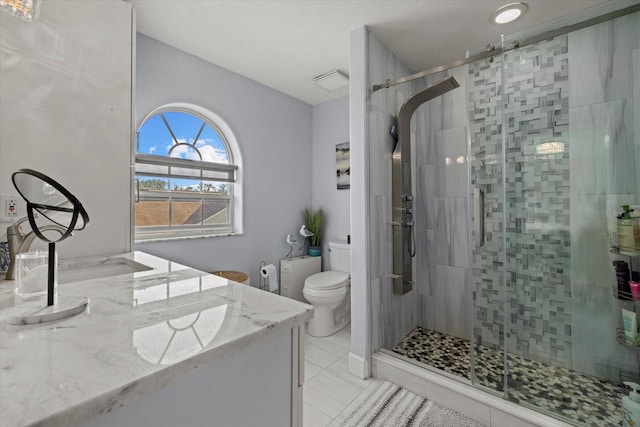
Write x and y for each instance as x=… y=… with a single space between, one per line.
x=50 y=207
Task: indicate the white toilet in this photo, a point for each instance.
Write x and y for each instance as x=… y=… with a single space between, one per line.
x=328 y=293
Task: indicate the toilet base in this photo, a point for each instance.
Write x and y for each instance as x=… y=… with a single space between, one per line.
x=327 y=321
x=322 y=324
x=320 y=332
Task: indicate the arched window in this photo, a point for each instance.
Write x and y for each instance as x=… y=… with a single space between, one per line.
x=184 y=175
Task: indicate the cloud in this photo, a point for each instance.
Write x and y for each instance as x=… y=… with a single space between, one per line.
x=152 y=149
x=209 y=152
x=212 y=154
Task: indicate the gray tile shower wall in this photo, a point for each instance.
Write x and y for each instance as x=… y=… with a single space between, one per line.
x=442 y=210
x=604 y=147
x=395 y=315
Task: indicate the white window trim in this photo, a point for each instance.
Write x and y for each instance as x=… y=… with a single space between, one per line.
x=237 y=210
x=178 y=163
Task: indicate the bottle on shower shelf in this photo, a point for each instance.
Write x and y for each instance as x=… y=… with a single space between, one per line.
x=622 y=279
x=634 y=284
x=629 y=229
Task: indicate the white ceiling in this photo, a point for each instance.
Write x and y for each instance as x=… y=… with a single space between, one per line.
x=283 y=44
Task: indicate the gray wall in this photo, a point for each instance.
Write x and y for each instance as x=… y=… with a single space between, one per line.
x=274 y=132
x=330 y=127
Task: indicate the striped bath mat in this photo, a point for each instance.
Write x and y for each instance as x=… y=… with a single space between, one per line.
x=393 y=406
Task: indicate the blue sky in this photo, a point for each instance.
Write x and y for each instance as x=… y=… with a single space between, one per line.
x=156 y=139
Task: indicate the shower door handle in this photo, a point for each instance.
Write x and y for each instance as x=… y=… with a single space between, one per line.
x=478 y=215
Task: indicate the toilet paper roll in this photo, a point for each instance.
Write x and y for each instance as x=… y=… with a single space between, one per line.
x=270 y=273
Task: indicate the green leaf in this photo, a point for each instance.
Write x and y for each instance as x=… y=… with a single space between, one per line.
x=314 y=222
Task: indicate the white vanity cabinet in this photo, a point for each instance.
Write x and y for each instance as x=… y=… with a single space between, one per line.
x=259 y=386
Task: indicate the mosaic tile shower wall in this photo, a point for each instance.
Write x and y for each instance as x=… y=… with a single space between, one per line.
x=537 y=190
x=484 y=101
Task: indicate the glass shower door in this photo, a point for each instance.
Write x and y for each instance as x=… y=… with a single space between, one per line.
x=537 y=215
x=570 y=162
x=486 y=168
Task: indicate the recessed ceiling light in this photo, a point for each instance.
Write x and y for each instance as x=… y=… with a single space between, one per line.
x=27 y=10
x=508 y=13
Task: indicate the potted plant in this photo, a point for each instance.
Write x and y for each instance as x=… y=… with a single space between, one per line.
x=314 y=221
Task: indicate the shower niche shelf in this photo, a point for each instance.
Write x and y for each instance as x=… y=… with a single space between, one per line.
x=625 y=253
x=623 y=340
x=624 y=296
x=627 y=297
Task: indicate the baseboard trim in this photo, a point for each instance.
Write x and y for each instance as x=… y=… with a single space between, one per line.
x=359 y=366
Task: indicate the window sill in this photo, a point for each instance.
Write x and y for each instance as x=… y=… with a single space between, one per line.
x=155 y=239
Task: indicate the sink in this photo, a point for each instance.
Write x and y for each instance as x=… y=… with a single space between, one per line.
x=97 y=269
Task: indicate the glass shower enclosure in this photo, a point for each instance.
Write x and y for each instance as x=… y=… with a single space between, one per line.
x=519 y=178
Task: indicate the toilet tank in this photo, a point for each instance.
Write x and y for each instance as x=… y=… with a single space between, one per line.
x=339 y=257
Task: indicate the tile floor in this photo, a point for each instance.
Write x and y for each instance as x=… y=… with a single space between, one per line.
x=330 y=391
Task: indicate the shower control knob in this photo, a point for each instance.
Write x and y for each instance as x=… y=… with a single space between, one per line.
x=407 y=198
x=408 y=223
x=408 y=211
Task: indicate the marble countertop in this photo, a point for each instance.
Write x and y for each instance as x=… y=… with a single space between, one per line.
x=141 y=331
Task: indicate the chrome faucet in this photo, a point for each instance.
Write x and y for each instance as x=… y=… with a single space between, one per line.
x=19 y=242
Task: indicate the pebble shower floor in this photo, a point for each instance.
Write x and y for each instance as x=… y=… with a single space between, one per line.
x=576 y=398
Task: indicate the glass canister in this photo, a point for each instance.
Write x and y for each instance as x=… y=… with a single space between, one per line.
x=32 y=274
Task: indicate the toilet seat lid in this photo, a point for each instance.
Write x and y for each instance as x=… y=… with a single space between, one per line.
x=327 y=280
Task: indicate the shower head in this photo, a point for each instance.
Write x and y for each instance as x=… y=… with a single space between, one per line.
x=394 y=132
x=417 y=99
x=401 y=186
x=438 y=88
x=444 y=86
